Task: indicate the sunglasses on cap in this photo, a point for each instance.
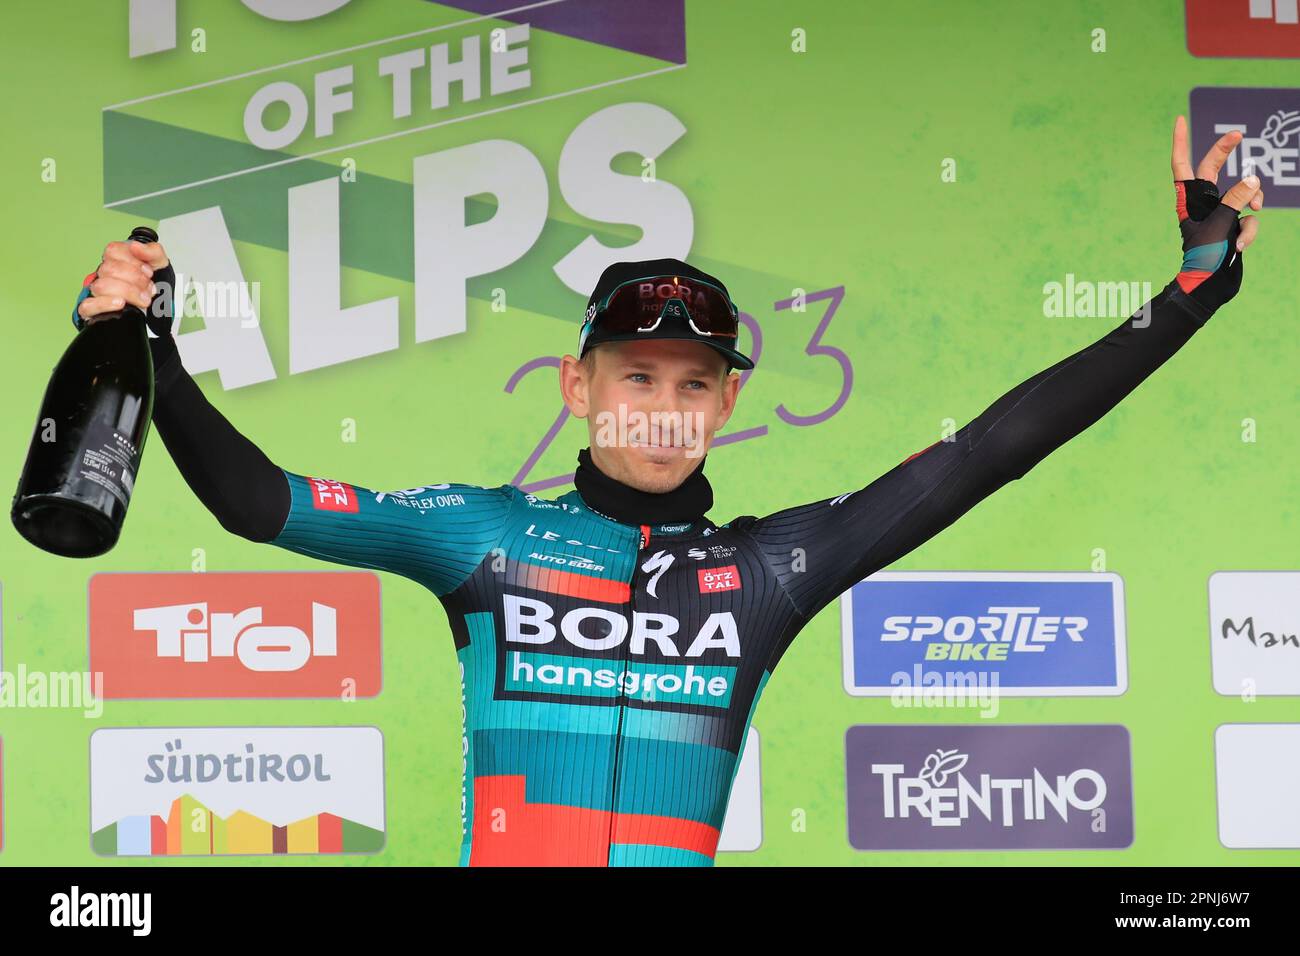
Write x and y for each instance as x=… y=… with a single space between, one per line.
x=639 y=305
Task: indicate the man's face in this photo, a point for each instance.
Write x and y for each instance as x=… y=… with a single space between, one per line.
x=652 y=407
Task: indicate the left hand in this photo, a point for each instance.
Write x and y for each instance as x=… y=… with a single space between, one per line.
x=1213 y=236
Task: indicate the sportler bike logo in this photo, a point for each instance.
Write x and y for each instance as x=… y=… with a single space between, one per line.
x=293 y=634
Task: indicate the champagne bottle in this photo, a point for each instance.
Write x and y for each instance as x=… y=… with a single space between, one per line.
x=85 y=451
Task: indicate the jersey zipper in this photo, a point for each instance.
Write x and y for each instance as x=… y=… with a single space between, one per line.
x=644 y=541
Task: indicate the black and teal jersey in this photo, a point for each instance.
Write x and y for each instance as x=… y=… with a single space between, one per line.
x=609 y=671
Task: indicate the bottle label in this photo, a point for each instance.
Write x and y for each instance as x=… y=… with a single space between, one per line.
x=110 y=460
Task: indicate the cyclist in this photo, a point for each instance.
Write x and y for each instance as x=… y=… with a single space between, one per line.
x=614 y=641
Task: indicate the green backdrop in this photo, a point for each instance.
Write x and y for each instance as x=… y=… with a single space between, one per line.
x=804 y=170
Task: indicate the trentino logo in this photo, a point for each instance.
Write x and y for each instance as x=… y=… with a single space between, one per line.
x=1269 y=121
x=928 y=787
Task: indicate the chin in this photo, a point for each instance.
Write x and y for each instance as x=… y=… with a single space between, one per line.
x=658 y=475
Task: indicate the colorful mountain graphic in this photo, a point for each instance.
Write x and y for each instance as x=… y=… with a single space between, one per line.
x=191 y=829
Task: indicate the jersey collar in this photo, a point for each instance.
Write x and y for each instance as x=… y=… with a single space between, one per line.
x=680 y=511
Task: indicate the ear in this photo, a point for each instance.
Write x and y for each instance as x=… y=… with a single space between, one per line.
x=730 y=390
x=574 y=386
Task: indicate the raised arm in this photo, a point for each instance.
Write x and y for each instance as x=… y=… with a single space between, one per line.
x=435 y=535
x=244 y=490
x=820 y=549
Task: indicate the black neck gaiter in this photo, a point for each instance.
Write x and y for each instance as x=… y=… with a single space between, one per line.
x=609 y=497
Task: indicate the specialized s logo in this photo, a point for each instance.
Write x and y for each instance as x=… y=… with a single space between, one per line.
x=654 y=566
x=713 y=580
x=327 y=495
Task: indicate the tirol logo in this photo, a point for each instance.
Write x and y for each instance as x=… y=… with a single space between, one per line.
x=1243 y=28
x=1255 y=632
x=200 y=791
x=1269 y=121
x=1024 y=633
x=961 y=787
x=328 y=495
x=269 y=634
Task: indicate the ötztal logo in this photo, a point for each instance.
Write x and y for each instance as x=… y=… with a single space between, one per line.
x=191 y=633
x=713 y=580
x=328 y=495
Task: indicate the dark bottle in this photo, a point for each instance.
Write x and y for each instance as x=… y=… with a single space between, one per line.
x=85 y=451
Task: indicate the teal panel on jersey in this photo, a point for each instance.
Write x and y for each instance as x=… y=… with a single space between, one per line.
x=641 y=854
x=435 y=535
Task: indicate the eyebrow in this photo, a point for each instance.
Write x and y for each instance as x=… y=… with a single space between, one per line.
x=640 y=365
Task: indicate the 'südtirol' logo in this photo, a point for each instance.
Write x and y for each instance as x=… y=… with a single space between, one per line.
x=1242 y=28
x=216 y=634
x=204 y=791
x=1269 y=121
x=963 y=787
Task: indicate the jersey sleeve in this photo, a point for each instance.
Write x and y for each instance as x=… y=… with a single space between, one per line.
x=821 y=549
x=435 y=535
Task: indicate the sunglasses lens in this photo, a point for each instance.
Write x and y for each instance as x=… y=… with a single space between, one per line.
x=639 y=304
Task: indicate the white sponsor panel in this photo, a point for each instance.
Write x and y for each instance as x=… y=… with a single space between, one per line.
x=742 y=828
x=280 y=774
x=1257 y=778
x=1255 y=632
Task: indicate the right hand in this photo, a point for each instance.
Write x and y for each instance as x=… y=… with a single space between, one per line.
x=126 y=276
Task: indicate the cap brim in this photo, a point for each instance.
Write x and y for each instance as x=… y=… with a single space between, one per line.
x=732 y=356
